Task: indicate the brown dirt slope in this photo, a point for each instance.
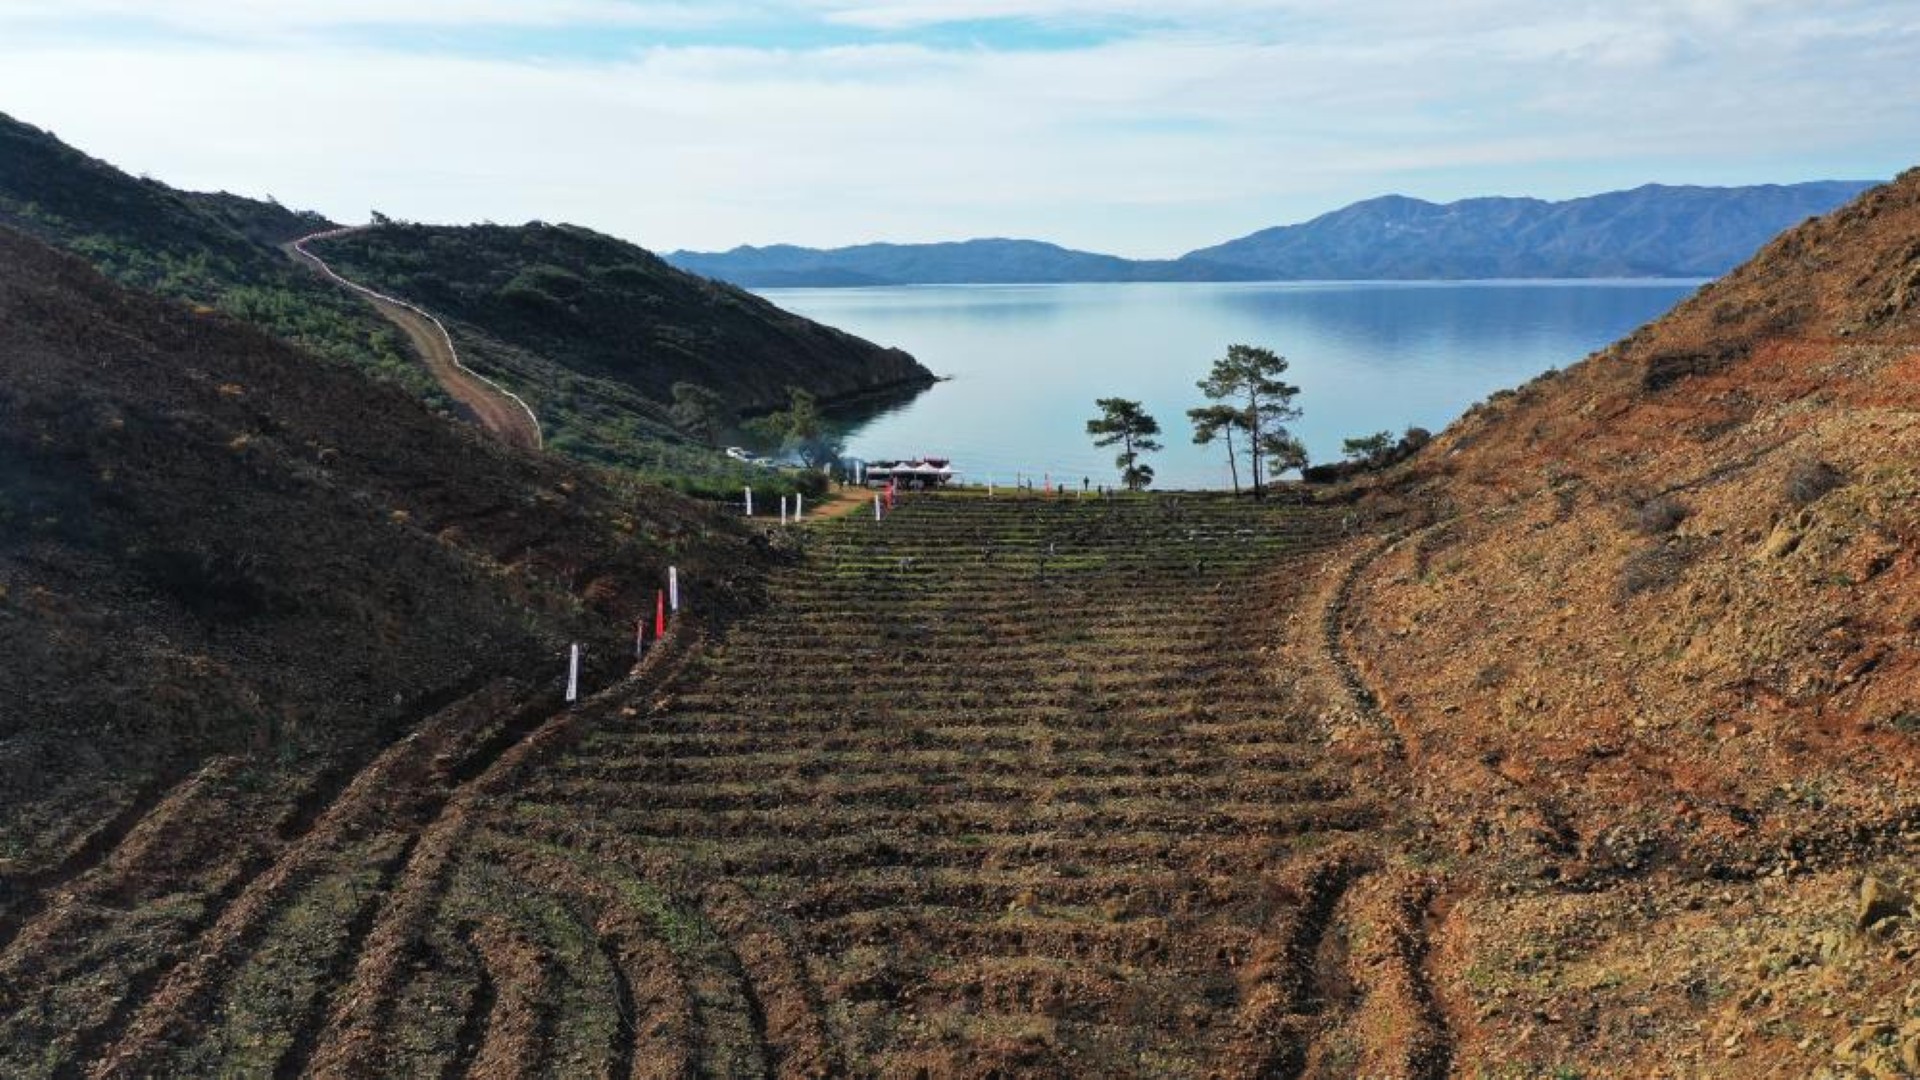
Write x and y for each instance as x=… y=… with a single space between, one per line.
x=1654 y=645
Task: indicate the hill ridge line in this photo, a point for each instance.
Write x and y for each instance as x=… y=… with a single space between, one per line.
x=490 y=419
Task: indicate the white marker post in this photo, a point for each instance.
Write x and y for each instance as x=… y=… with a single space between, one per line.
x=749 y=502
x=876 y=506
x=783 y=509
x=799 y=508
x=673 y=588
x=573 y=675
x=989 y=486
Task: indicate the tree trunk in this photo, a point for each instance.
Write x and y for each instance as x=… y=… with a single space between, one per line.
x=1253 y=440
x=1233 y=467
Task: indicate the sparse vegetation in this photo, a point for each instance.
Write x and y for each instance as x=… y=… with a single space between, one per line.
x=1654 y=569
x=1369 y=453
x=1809 y=480
x=1660 y=515
x=1367 y=449
x=1149 y=785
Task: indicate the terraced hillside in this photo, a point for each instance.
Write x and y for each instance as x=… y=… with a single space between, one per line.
x=995 y=787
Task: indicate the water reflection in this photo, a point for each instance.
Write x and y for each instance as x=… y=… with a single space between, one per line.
x=1028 y=361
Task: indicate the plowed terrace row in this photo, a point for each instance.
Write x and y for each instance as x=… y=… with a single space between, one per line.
x=995 y=786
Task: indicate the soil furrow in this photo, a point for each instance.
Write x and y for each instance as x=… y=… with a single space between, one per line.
x=516 y=1026
x=25 y=895
x=473 y=1023
x=353 y=1043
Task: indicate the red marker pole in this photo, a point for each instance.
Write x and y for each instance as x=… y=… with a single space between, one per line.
x=659 y=615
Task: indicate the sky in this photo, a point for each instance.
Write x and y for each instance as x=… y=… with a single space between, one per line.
x=1145 y=128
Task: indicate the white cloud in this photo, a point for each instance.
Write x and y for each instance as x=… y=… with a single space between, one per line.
x=1212 y=119
x=239 y=17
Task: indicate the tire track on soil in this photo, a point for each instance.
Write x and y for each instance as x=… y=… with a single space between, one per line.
x=148 y=862
x=1280 y=1015
x=655 y=1026
x=399 y=785
x=473 y=1022
x=28 y=894
x=1406 y=964
x=352 y=1043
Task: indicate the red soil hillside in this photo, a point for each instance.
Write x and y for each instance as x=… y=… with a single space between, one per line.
x=1660 y=648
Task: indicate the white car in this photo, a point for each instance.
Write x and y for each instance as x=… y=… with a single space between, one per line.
x=748 y=457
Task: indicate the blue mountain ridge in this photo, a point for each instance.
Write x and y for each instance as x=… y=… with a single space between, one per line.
x=1650 y=231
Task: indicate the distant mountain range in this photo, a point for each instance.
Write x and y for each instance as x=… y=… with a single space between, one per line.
x=957 y=263
x=1650 y=231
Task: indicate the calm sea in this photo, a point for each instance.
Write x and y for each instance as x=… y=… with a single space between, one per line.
x=1027 y=362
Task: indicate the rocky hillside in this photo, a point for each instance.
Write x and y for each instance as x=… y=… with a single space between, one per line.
x=1652 y=639
x=212 y=543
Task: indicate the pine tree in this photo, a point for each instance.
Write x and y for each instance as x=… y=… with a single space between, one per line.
x=1247 y=379
x=1125 y=422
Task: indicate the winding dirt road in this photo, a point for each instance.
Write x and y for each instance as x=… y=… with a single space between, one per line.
x=494 y=407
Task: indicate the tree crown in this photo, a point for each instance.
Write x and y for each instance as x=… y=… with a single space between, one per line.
x=1121 y=419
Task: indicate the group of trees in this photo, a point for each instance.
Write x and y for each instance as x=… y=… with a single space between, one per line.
x=1248 y=398
x=1249 y=407
x=799 y=431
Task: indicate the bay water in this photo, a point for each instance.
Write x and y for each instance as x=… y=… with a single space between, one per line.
x=1025 y=362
